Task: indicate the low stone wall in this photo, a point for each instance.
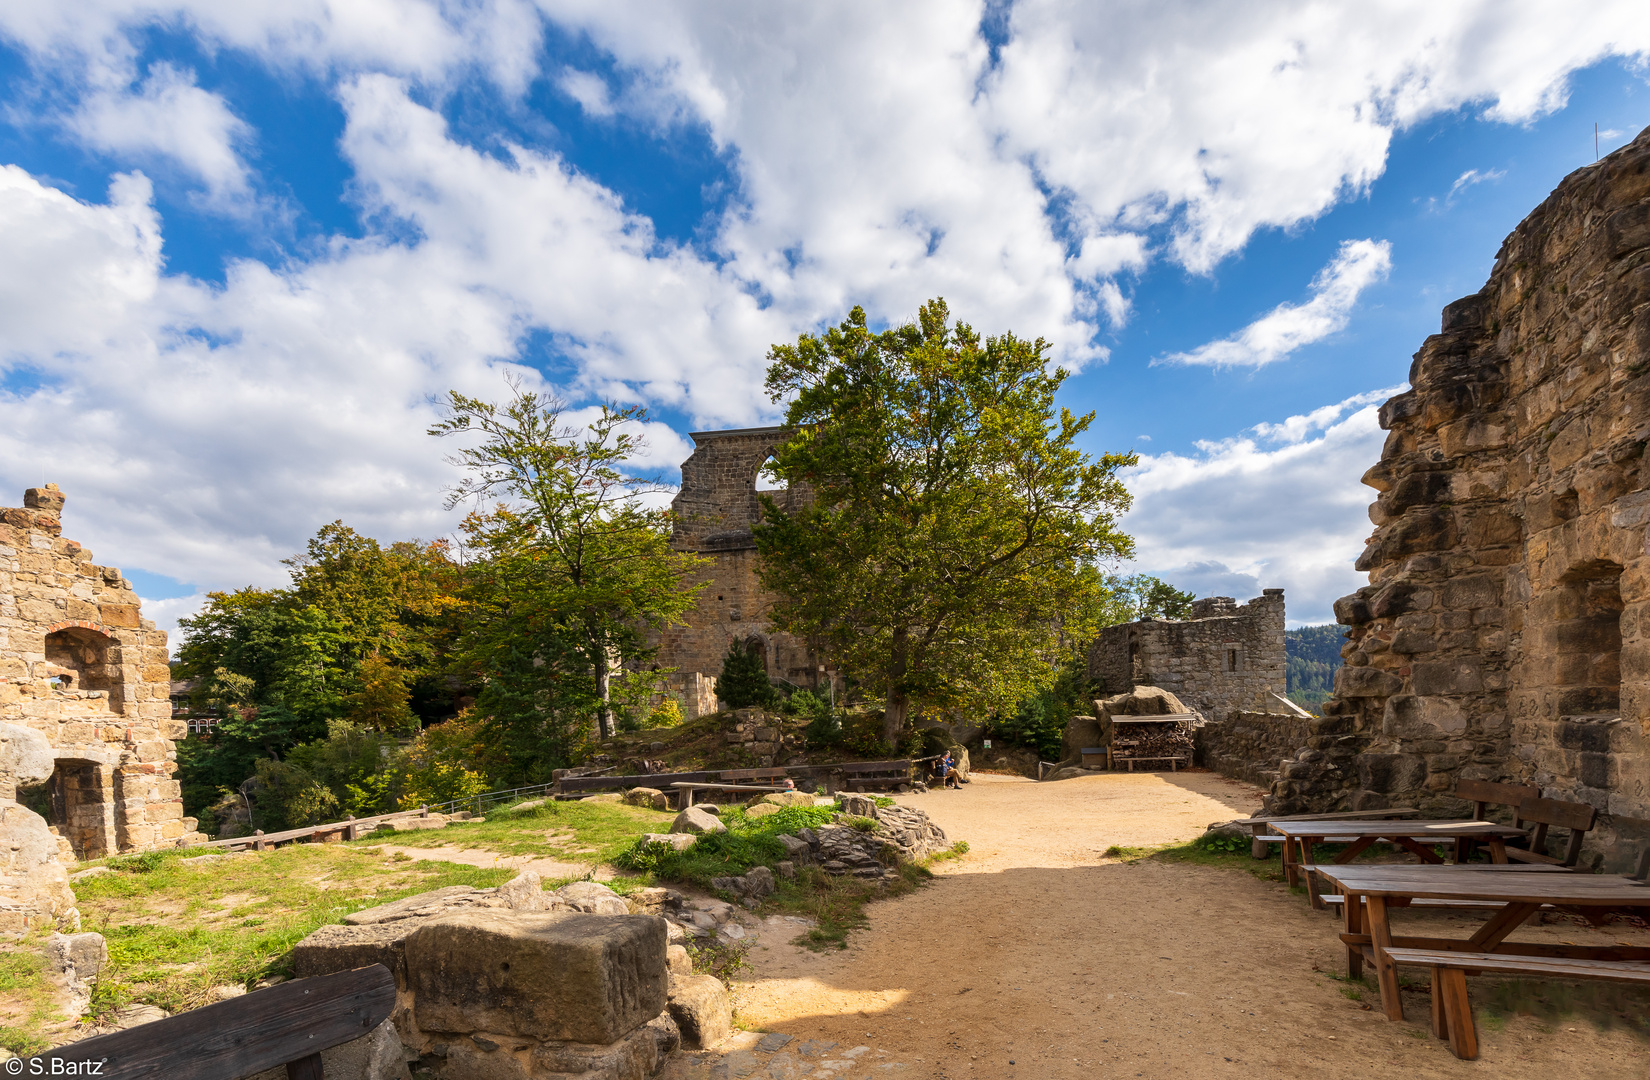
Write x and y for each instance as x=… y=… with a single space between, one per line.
x=1251 y=745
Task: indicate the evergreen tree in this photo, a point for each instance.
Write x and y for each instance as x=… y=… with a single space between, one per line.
x=744 y=681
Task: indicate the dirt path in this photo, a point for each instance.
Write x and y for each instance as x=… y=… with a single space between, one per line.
x=1035 y=957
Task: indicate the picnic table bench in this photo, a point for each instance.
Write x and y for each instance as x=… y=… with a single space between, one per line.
x=859 y=775
x=1371 y=891
x=1300 y=837
x=1451 y=1009
x=289 y=1025
x=1260 y=841
x=687 y=789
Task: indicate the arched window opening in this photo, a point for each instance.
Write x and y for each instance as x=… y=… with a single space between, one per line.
x=765 y=478
x=1586 y=638
x=80 y=660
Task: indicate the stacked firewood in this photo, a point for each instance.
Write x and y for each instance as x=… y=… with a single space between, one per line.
x=1170 y=738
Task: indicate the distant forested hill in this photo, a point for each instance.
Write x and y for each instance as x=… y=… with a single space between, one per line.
x=1314 y=654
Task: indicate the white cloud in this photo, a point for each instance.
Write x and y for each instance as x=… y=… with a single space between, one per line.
x=1472 y=177
x=169 y=116
x=1335 y=290
x=588 y=89
x=1236 y=517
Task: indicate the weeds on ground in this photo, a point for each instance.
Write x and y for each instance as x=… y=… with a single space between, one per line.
x=748 y=843
x=1204 y=851
x=176 y=930
x=27 y=1005
x=1604 y=1005
x=723 y=959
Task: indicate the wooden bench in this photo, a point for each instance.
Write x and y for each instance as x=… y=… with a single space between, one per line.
x=289 y=1025
x=876 y=775
x=572 y=785
x=1259 y=840
x=1451 y=1009
x=1579 y=818
x=686 y=790
x=746 y=776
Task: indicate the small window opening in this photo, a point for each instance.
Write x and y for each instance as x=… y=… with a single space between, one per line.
x=766 y=480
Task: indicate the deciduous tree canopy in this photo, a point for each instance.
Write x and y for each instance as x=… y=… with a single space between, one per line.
x=957 y=532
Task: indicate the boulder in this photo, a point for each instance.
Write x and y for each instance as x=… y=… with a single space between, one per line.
x=34 y=886
x=762 y=810
x=702 y=1010
x=336 y=948
x=1142 y=701
x=696 y=821
x=679 y=841
x=796 y=848
x=76 y=960
x=424 y=904
x=593 y=898
x=859 y=806
x=711 y=808
x=645 y=797
x=522 y=807
x=525 y=892
x=1083 y=731
x=677 y=960
x=787 y=798
x=581 y=978
x=417 y=824
x=25 y=758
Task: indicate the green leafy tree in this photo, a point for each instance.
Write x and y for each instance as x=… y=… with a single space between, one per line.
x=956 y=530
x=580 y=570
x=1142 y=596
x=381 y=702
x=744 y=679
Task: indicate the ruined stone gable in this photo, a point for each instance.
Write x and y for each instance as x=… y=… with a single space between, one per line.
x=1505 y=630
x=1227 y=657
x=714 y=510
x=81 y=666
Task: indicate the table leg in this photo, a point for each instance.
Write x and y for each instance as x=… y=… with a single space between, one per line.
x=1352 y=910
x=1356 y=848
x=1386 y=972
x=1419 y=850
x=1498 y=849
x=1440 y=1023
x=1289 y=860
x=1501 y=924
x=1463 y=1036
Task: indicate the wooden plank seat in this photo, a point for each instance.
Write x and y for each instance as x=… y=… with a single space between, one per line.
x=741 y=776
x=687 y=790
x=1452 y=1010
x=874 y=775
x=1538 y=814
x=289 y=1025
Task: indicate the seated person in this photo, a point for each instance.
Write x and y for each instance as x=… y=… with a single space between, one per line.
x=945 y=769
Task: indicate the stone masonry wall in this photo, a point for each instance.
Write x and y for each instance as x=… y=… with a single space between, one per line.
x=1505 y=630
x=1226 y=657
x=80 y=665
x=715 y=509
x=1253 y=746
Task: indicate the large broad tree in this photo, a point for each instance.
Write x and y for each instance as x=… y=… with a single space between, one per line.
x=957 y=533
x=576 y=566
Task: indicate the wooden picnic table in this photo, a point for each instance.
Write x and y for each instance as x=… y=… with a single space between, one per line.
x=1299 y=837
x=1371 y=890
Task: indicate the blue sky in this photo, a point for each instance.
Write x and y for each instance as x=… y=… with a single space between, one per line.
x=249 y=242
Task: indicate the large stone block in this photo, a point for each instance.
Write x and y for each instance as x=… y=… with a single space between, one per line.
x=583 y=978
x=1356 y=682
x=702 y=1010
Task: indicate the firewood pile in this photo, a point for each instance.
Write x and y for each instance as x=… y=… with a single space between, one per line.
x=1170 y=737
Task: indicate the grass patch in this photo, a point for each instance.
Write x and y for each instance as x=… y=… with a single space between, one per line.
x=1603 y=1005
x=175 y=931
x=955 y=851
x=28 y=1008
x=836 y=904
x=748 y=843
x=1204 y=851
x=573 y=831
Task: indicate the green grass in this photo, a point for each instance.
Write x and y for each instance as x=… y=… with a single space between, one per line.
x=748 y=843
x=175 y=931
x=28 y=1007
x=572 y=831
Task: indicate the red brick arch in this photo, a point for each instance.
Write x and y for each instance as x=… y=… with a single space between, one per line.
x=79 y=624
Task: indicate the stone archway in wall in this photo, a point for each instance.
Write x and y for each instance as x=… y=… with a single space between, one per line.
x=1576 y=654
x=82 y=806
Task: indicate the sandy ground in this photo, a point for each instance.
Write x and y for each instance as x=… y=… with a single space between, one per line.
x=1035 y=957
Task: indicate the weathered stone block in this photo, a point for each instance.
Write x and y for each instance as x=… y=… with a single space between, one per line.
x=583 y=978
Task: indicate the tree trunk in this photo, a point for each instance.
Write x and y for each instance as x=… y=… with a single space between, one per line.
x=603 y=726
x=893 y=718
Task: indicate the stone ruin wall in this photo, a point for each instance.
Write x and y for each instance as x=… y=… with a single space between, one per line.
x=715 y=509
x=1194 y=659
x=1505 y=630
x=80 y=666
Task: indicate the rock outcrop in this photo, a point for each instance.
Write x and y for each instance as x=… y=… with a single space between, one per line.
x=1503 y=634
